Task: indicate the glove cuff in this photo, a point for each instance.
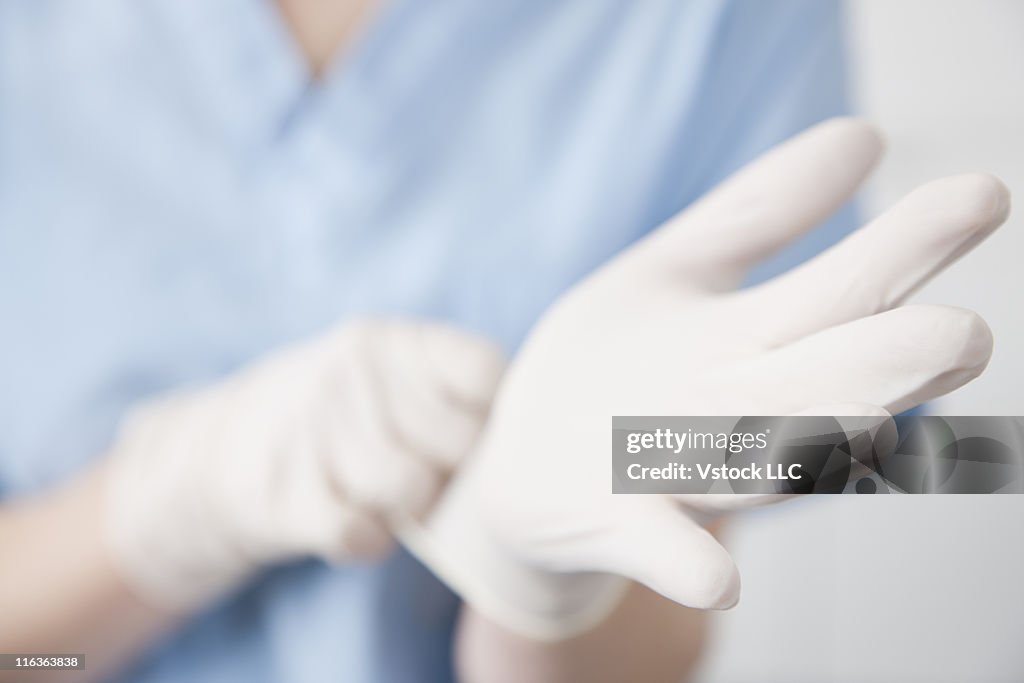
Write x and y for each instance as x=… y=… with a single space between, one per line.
x=534 y=602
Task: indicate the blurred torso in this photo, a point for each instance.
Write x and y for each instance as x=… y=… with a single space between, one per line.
x=176 y=197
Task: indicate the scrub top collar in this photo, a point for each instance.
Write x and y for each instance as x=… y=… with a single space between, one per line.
x=242 y=62
x=261 y=90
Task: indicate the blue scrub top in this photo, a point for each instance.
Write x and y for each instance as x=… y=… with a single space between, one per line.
x=177 y=197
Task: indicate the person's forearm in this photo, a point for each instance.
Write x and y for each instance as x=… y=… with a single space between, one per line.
x=58 y=592
x=647 y=638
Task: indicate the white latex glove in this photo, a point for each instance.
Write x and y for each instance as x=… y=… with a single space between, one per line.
x=529 y=531
x=310 y=451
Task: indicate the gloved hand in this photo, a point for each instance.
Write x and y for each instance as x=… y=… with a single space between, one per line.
x=310 y=451
x=529 y=531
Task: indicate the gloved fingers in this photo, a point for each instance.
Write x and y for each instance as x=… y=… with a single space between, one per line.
x=654 y=542
x=345 y=468
x=293 y=503
x=424 y=388
x=897 y=359
x=334 y=528
x=357 y=449
x=375 y=476
x=870 y=430
x=880 y=265
x=874 y=421
x=452 y=378
x=466 y=367
x=765 y=205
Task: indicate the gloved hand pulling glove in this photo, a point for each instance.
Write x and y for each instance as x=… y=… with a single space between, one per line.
x=311 y=451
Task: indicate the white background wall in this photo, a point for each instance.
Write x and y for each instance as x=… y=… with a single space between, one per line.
x=910 y=588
